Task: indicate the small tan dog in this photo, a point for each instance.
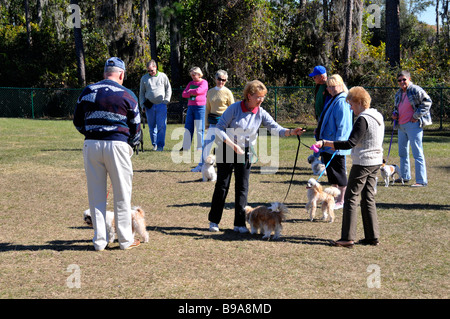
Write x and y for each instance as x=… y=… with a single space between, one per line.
x=317 y=195
x=267 y=219
x=137 y=223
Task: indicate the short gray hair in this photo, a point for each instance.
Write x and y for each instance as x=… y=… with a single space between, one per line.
x=221 y=73
x=151 y=62
x=113 y=69
x=406 y=74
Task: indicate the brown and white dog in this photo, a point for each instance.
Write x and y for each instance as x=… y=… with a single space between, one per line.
x=317 y=195
x=266 y=219
x=390 y=170
x=137 y=223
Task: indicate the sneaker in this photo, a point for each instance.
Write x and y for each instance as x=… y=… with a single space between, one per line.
x=197 y=169
x=135 y=244
x=241 y=229
x=155 y=148
x=213 y=227
x=338 y=206
x=418 y=185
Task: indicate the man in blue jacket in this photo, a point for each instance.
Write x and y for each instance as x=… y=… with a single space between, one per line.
x=107 y=114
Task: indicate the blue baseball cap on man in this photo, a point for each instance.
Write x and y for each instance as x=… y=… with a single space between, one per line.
x=318 y=70
x=114 y=61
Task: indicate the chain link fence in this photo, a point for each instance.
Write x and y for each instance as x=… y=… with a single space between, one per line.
x=285 y=104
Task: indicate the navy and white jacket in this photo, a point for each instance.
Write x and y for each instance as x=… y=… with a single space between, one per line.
x=107 y=110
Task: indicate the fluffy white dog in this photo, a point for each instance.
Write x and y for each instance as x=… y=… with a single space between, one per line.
x=316 y=195
x=208 y=171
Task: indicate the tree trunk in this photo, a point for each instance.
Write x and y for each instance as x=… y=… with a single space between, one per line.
x=152 y=27
x=40 y=7
x=325 y=14
x=445 y=24
x=348 y=39
x=393 y=32
x=359 y=11
x=27 y=19
x=79 y=51
x=143 y=9
x=175 y=54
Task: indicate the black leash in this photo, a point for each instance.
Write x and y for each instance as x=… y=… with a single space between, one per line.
x=293 y=170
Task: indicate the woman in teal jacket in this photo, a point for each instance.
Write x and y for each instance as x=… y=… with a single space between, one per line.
x=335 y=123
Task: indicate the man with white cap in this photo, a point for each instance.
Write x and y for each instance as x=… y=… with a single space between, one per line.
x=107 y=114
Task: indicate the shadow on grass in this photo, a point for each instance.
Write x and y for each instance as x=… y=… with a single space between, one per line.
x=56 y=245
x=230 y=205
x=230 y=235
x=63 y=150
x=412 y=206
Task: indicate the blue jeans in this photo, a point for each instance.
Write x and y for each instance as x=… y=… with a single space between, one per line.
x=195 y=119
x=208 y=142
x=411 y=134
x=157 y=122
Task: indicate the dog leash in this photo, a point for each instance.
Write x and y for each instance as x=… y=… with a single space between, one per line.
x=390 y=144
x=326 y=166
x=293 y=170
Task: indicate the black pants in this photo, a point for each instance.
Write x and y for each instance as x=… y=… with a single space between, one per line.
x=336 y=170
x=227 y=161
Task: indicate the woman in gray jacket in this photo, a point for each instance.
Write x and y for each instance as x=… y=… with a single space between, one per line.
x=412 y=113
x=366 y=141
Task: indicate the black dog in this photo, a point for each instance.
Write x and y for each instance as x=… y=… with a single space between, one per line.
x=141 y=139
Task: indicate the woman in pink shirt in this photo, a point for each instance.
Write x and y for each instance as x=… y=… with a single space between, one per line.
x=412 y=111
x=195 y=92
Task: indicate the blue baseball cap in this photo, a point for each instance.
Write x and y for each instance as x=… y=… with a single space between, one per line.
x=114 y=61
x=318 y=70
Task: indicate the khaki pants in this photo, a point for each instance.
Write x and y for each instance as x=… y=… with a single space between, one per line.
x=361 y=181
x=113 y=158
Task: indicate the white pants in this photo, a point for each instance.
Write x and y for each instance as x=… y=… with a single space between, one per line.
x=113 y=158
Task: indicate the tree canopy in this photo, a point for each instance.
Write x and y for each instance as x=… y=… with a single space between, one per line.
x=276 y=41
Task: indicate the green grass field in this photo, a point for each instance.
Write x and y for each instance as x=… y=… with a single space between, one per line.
x=42 y=234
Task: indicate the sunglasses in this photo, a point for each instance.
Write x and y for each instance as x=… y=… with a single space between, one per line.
x=402 y=80
x=223 y=80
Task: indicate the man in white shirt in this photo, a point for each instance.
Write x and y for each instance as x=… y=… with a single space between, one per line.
x=154 y=95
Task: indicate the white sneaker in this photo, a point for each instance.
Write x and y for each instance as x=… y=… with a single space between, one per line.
x=155 y=148
x=197 y=169
x=213 y=227
x=338 y=206
x=241 y=229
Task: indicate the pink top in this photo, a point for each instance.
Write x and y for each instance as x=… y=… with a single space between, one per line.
x=195 y=92
x=405 y=110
